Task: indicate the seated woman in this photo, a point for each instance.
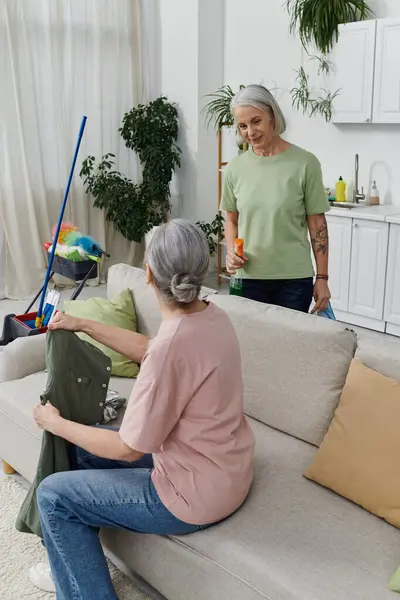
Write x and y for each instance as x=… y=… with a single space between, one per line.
x=183 y=457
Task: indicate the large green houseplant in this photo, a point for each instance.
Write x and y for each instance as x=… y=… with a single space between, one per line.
x=151 y=130
x=212 y=232
x=317 y=21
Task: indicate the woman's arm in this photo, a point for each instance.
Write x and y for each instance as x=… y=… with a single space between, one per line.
x=100 y=442
x=231 y=229
x=128 y=343
x=233 y=261
x=318 y=229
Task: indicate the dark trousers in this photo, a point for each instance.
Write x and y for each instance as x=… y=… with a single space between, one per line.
x=289 y=293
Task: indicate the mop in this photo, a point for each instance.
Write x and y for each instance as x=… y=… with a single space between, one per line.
x=40 y=314
x=33 y=323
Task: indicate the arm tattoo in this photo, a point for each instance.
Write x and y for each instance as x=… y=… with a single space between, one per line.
x=319 y=237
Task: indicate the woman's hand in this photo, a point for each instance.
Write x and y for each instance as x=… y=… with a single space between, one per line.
x=234 y=262
x=322 y=295
x=63 y=321
x=46 y=417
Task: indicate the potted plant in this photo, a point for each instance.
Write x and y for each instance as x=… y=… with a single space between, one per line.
x=151 y=130
x=213 y=231
x=217 y=112
x=317 y=21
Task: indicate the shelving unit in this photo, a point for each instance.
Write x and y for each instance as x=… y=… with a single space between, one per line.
x=221 y=241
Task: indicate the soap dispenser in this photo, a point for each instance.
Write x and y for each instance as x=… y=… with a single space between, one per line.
x=340 y=190
x=374 y=195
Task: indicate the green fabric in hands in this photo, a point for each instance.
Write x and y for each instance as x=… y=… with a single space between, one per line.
x=119 y=312
x=77 y=384
x=394 y=583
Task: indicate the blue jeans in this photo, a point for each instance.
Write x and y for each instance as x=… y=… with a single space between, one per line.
x=99 y=493
x=289 y=293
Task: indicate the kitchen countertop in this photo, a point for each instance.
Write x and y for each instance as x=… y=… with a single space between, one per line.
x=382 y=212
x=394 y=219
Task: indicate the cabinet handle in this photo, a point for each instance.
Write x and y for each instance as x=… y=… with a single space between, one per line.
x=367 y=120
x=355 y=225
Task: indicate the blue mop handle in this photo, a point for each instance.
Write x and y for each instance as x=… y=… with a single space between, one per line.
x=39 y=316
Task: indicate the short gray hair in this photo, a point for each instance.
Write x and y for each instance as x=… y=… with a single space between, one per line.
x=178 y=257
x=258 y=96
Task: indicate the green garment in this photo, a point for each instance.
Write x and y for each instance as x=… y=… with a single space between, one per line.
x=274 y=195
x=394 y=583
x=77 y=383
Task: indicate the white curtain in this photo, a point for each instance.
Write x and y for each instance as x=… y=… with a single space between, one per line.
x=60 y=60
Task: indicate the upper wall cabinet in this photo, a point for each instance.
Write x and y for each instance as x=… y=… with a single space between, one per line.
x=353 y=72
x=387 y=72
x=366 y=69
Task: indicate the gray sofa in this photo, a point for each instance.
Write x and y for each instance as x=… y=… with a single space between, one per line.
x=292 y=540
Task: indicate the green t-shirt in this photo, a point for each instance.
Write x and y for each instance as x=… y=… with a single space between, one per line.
x=274 y=195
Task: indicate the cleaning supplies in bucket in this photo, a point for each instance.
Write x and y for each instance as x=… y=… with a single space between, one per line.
x=75 y=246
x=50 y=307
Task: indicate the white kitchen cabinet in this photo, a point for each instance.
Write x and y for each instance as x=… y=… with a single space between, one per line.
x=392 y=301
x=368 y=268
x=340 y=231
x=352 y=73
x=387 y=72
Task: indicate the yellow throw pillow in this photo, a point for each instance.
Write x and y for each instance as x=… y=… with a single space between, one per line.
x=359 y=457
x=120 y=312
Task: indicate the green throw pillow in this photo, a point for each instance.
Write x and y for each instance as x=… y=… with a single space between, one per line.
x=120 y=312
x=394 y=583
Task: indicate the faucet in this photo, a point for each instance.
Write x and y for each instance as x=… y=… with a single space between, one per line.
x=357 y=196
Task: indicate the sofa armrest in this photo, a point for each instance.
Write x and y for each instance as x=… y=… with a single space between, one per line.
x=22 y=357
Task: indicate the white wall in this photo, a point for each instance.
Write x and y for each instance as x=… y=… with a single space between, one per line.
x=259 y=48
x=179 y=57
x=192 y=66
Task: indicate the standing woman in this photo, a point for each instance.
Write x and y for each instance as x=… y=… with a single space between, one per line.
x=274 y=196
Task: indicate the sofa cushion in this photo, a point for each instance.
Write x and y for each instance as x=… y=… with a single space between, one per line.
x=294 y=365
x=381 y=354
x=22 y=357
x=19 y=435
x=118 y=312
x=292 y=540
x=359 y=456
x=148 y=313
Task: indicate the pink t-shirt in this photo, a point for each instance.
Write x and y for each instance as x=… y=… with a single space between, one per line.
x=187 y=410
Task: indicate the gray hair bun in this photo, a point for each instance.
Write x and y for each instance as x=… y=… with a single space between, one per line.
x=185 y=288
x=178 y=257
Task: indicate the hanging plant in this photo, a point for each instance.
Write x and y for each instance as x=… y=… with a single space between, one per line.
x=317 y=21
x=302 y=98
x=151 y=130
x=324 y=64
x=217 y=112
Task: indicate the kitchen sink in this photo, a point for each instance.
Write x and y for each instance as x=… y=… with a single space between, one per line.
x=346 y=205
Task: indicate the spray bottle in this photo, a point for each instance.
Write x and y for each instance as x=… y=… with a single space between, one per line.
x=236 y=282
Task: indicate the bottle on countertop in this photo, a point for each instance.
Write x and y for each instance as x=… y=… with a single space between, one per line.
x=373 y=197
x=340 y=190
x=350 y=192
